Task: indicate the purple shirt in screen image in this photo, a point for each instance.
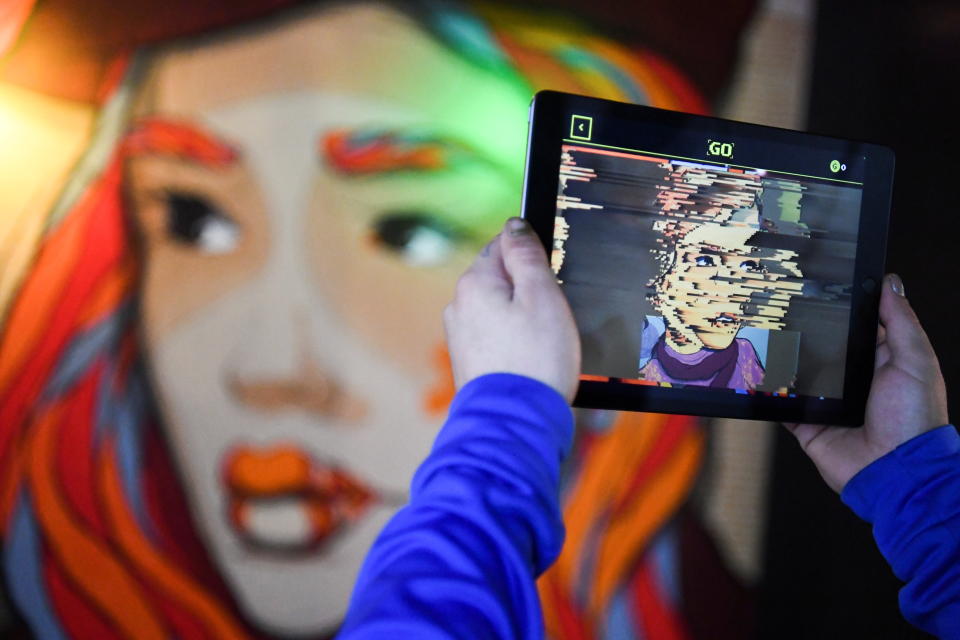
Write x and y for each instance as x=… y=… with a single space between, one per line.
x=736 y=367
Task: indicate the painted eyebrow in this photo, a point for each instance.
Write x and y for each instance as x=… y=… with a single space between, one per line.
x=163 y=136
x=358 y=152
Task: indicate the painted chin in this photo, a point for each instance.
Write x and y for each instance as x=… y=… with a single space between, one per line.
x=282 y=501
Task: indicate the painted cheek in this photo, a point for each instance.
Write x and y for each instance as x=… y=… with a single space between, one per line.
x=394 y=307
x=181 y=280
x=437 y=398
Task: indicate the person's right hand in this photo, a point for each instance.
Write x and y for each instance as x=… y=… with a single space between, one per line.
x=509 y=316
x=907 y=398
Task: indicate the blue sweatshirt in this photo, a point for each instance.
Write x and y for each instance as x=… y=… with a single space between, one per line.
x=911 y=496
x=462 y=558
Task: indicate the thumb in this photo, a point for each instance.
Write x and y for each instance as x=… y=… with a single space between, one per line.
x=904 y=335
x=524 y=257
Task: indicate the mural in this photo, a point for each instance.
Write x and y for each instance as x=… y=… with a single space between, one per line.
x=222 y=357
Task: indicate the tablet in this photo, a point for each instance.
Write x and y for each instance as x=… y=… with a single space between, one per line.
x=714 y=268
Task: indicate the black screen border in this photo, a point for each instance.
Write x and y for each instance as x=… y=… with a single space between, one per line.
x=548 y=119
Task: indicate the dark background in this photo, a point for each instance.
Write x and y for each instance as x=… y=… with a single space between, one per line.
x=883 y=72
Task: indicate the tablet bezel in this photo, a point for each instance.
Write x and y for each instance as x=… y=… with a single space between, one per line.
x=548 y=112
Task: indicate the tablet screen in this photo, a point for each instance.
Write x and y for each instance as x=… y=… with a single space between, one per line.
x=696 y=261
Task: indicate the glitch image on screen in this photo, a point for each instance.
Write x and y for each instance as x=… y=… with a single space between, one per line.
x=689 y=273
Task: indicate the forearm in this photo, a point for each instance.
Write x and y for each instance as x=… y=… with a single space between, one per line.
x=483 y=521
x=912 y=498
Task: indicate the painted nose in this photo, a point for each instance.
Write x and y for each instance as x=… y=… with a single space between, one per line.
x=279 y=371
x=309 y=388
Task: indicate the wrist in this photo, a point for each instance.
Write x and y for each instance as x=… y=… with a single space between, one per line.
x=512 y=384
x=879 y=483
x=523 y=408
x=562 y=388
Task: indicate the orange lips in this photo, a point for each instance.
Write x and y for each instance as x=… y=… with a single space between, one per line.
x=330 y=497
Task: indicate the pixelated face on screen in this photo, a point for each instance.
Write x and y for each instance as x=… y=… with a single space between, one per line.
x=706 y=275
x=710 y=281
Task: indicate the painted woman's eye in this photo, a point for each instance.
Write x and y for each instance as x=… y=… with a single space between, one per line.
x=705 y=261
x=419 y=240
x=193 y=220
x=751 y=266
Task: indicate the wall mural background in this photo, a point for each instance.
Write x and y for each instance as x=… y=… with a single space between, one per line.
x=227 y=233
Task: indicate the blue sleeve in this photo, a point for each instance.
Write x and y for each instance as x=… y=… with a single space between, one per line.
x=461 y=559
x=912 y=498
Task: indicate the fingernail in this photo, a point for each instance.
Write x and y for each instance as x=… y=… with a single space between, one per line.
x=896 y=284
x=517 y=226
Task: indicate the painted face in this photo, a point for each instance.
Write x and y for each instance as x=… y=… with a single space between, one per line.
x=293 y=292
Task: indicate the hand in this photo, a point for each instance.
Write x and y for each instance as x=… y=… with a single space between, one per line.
x=508 y=315
x=907 y=397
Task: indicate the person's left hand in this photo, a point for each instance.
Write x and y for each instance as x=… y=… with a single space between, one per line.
x=907 y=397
x=509 y=316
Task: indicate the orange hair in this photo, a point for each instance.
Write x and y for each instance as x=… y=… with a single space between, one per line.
x=69 y=368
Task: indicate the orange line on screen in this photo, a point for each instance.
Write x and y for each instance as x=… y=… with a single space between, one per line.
x=592 y=378
x=637 y=381
x=617 y=154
